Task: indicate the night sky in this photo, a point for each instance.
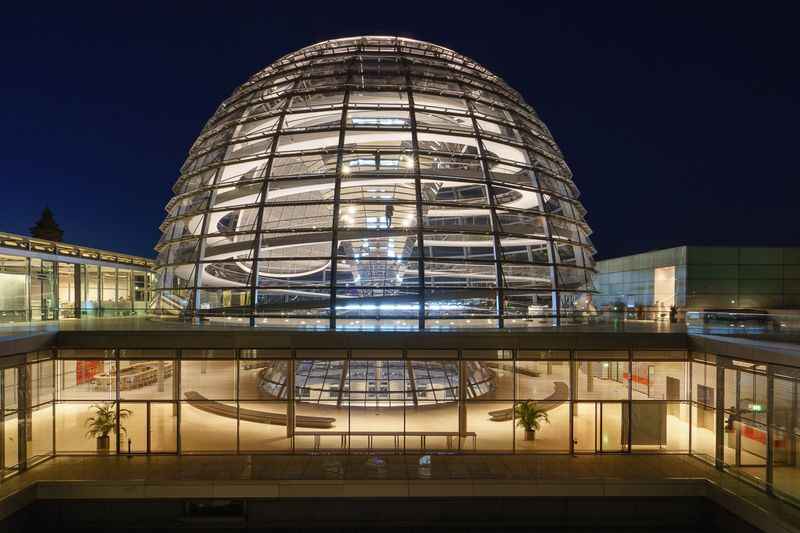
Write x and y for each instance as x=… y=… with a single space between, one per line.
x=680 y=122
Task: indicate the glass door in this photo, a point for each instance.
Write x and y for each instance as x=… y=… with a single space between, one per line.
x=150 y=427
x=162 y=427
x=613 y=430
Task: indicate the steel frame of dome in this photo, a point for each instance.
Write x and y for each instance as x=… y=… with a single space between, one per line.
x=320 y=168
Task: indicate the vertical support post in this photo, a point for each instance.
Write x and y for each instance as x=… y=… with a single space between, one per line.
x=176 y=395
x=738 y=453
x=22 y=416
x=342 y=381
x=236 y=362
x=28 y=283
x=791 y=460
x=100 y=284
x=3 y=423
x=116 y=292
x=55 y=291
x=337 y=200
x=690 y=370
x=148 y=428
x=52 y=402
x=573 y=408
x=78 y=304
x=719 y=457
x=422 y=295
x=589 y=377
x=629 y=410
x=771 y=426
x=462 y=400
x=290 y=412
x=160 y=375
x=116 y=402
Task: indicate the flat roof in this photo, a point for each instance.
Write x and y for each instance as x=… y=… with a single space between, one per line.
x=31 y=246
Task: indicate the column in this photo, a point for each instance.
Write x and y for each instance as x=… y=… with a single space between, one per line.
x=290 y=416
x=3 y=423
x=719 y=432
x=22 y=416
x=771 y=424
x=573 y=381
x=462 y=399
x=77 y=292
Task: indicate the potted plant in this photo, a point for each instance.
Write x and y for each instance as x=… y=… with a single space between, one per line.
x=104 y=422
x=529 y=417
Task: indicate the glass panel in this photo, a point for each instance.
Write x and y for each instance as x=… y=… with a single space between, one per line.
x=13 y=288
x=659 y=380
x=10 y=442
x=585 y=426
x=786 y=464
x=306 y=142
x=602 y=380
x=613 y=429
x=88 y=379
x=40 y=440
x=163 y=427
x=329 y=118
x=133 y=427
x=262 y=427
x=553 y=432
x=493 y=424
x=71 y=427
x=704 y=378
x=144 y=380
x=543 y=380
x=208 y=426
x=206 y=379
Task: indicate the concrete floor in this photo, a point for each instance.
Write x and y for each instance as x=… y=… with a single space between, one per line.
x=375 y=476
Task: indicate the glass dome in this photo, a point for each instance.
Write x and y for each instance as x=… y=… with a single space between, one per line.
x=375 y=183
x=371 y=383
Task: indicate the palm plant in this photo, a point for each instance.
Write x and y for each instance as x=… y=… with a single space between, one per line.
x=530 y=417
x=104 y=422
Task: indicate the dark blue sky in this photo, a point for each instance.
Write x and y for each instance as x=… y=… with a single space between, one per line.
x=679 y=121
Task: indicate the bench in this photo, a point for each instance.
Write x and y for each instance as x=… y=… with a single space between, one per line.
x=551 y=402
x=199 y=401
x=345 y=436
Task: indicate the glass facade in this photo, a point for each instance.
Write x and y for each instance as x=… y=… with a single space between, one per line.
x=43 y=280
x=375 y=183
x=741 y=416
x=700 y=277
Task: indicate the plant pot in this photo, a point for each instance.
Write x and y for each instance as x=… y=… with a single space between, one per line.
x=530 y=434
x=103 y=443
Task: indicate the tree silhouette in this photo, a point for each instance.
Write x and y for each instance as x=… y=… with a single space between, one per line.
x=47 y=227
